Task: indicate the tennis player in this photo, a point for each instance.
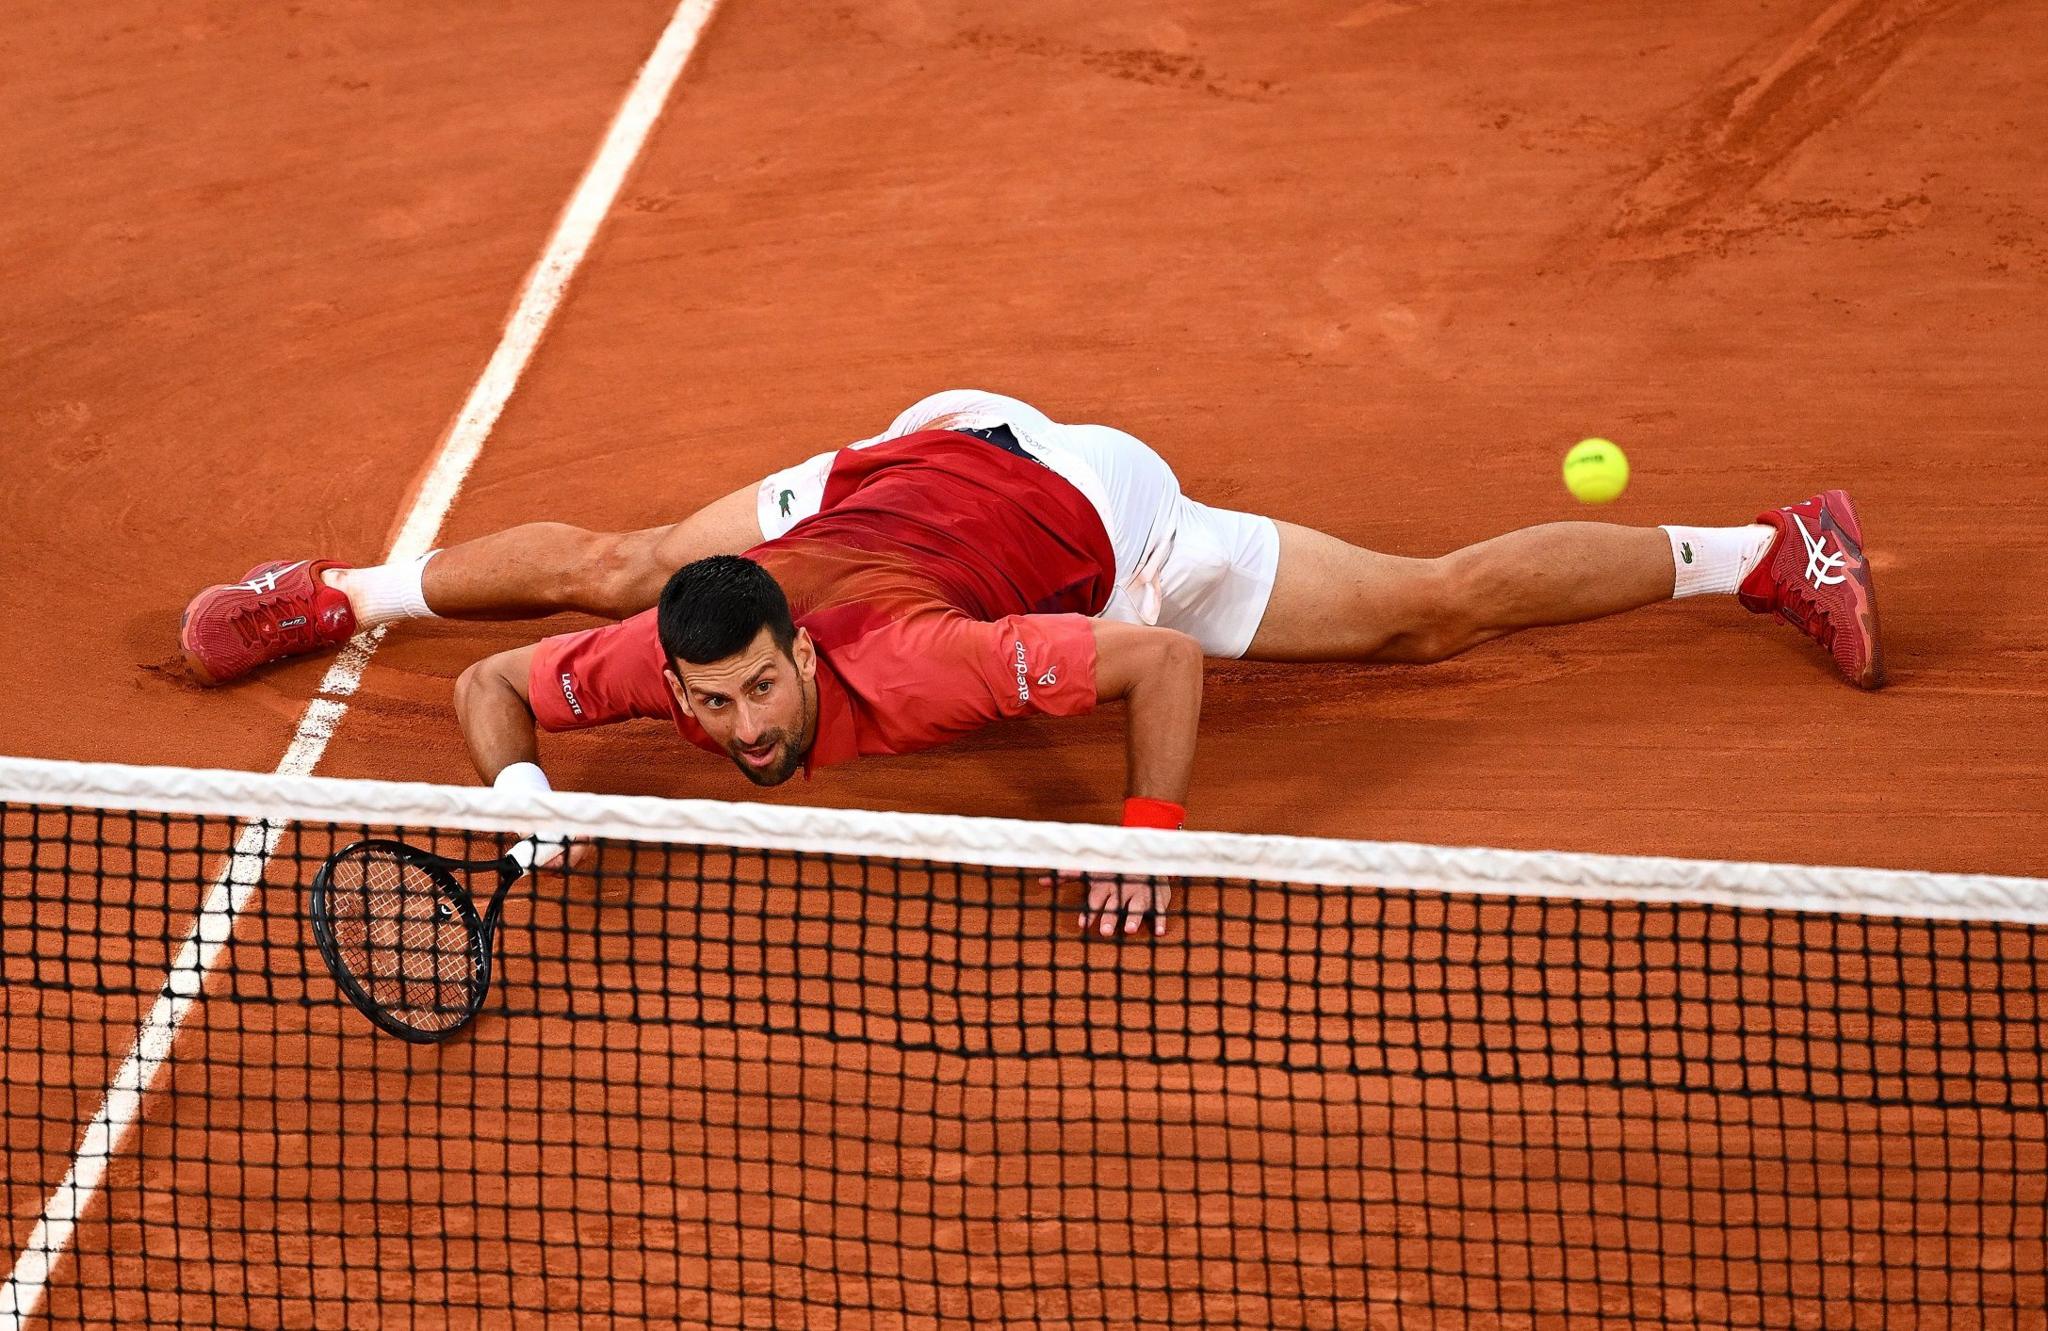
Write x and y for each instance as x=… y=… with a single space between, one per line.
x=978 y=561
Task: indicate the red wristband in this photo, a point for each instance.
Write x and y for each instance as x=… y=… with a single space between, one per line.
x=1140 y=811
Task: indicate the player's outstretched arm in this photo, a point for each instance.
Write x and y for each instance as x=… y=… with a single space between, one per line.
x=496 y=713
x=1157 y=673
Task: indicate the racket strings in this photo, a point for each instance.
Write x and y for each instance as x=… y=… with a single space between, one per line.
x=403 y=940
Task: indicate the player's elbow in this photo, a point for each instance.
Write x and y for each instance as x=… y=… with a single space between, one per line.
x=469 y=683
x=1179 y=654
x=1173 y=664
x=1132 y=659
x=481 y=685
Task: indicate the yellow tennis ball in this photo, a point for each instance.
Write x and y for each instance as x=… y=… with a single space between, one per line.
x=1595 y=471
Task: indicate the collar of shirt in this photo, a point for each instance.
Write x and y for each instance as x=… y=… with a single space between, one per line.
x=837 y=741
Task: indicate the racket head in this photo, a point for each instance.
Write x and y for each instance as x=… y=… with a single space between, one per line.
x=402 y=938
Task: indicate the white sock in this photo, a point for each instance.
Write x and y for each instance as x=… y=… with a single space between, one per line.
x=1716 y=559
x=387 y=592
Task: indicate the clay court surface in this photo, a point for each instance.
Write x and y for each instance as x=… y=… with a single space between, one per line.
x=1369 y=266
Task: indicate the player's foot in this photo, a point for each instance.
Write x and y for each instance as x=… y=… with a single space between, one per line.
x=278 y=610
x=1815 y=578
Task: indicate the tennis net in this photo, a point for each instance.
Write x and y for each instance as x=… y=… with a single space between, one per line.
x=764 y=1066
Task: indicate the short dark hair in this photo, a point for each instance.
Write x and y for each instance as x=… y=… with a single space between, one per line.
x=713 y=608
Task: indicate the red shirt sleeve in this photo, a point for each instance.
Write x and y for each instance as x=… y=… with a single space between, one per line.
x=932 y=677
x=601 y=675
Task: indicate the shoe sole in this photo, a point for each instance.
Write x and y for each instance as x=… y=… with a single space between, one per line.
x=1840 y=512
x=194 y=665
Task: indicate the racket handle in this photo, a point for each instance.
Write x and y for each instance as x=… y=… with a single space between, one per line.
x=538 y=849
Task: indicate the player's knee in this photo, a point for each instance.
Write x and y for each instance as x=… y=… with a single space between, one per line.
x=1437 y=620
x=614 y=571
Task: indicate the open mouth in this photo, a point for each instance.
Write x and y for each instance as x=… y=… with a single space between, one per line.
x=758 y=757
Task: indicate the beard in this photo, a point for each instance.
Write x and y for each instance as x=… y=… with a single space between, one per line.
x=791 y=750
x=787 y=759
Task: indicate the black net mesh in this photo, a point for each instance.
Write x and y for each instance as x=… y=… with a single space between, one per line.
x=745 y=1089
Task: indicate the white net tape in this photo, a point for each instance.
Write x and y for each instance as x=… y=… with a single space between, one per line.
x=1010 y=843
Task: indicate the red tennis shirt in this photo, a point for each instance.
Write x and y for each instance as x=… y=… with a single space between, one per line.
x=947 y=583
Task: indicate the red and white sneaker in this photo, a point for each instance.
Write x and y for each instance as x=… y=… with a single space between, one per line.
x=1816 y=579
x=278 y=610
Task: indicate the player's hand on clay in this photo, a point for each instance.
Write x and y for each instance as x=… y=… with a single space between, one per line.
x=1114 y=905
x=1125 y=905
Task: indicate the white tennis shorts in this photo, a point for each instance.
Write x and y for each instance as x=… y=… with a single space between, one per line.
x=1207 y=572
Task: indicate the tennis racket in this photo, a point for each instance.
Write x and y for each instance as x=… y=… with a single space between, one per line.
x=400 y=932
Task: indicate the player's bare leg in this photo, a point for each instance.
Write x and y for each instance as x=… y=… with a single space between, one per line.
x=546 y=568
x=283 y=609
x=1333 y=601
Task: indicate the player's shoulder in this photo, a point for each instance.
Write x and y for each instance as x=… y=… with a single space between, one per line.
x=634 y=629
x=597 y=675
x=632 y=642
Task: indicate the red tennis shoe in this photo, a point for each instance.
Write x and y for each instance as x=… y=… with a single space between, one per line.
x=1815 y=578
x=278 y=610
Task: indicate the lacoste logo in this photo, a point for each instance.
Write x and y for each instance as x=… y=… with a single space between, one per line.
x=784 y=500
x=1049 y=678
x=569 y=693
x=1685 y=551
x=1820 y=565
x=1023 y=675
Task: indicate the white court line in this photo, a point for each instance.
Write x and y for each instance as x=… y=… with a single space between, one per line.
x=22 y=1295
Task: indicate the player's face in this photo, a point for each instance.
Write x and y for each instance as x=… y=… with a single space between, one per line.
x=760 y=705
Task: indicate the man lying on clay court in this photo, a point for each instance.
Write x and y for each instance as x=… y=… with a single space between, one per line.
x=979 y=561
